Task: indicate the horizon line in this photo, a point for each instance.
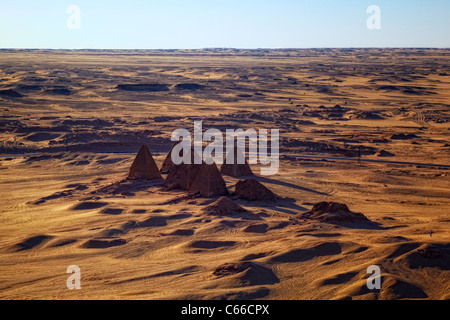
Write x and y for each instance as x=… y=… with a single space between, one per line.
x=225 y=48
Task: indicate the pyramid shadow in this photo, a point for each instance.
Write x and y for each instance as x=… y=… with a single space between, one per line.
x=289 y=185
x=128 y=187
x=282 y=205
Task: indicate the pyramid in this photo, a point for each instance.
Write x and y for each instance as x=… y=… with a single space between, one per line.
x=181 y=176
x=253 y=190
x=332 y=212
x=208 y=182
x=168 y=163
x=144 y=166
x=232 y=168
x=223 y=207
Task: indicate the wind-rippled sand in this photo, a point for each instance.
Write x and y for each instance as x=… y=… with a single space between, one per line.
x=72 y=122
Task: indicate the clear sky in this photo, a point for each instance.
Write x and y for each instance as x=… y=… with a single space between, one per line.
x=189 y=24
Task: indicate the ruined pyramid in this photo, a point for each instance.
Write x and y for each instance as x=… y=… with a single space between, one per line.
x=253 y=190
x=332 y=212
x=232 y=168
x=144 y=166
x=208 y=182
x=223 y=207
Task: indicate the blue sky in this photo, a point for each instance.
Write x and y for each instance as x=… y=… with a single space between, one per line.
x=170 y=24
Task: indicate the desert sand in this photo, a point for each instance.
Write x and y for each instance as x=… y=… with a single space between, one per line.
x=364 y=175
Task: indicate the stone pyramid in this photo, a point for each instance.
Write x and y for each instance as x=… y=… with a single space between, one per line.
x=208 y=182
x=168 y=163
x=181 y=176
x=232 y=168
x=144 y=166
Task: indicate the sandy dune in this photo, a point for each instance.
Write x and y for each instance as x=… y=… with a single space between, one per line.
x=367 y=130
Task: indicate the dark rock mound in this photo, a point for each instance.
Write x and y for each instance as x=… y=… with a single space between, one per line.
x=253 y=190
x=365 y=115
x=188 y=86
x=384 y=153
x=393 y=288
x=247 y=273
x=9 y=93
x=434 y=255
x=402 y=136
x=151 y=87
x=256 y=228
x=42 y=136
x=59 y=90
x=332 y=212
x=29 y=87
x=87 y=122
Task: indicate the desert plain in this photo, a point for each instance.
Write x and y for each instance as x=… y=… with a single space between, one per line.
x=366 y=128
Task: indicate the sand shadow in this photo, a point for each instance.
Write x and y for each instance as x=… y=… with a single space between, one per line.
x=128 y=187
x=365 y=225
x=156 y=221
x=54 y=196
x=299 y=255
x=32 y=242
x=284 y=205
x=256 y=228
x=89 y=205
x=139 y=211
x=205 y=244
x=339 y=278
x=63 y=242
x=247 y=273
x=103 y=244
x=112 y=211
x=182 y=232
